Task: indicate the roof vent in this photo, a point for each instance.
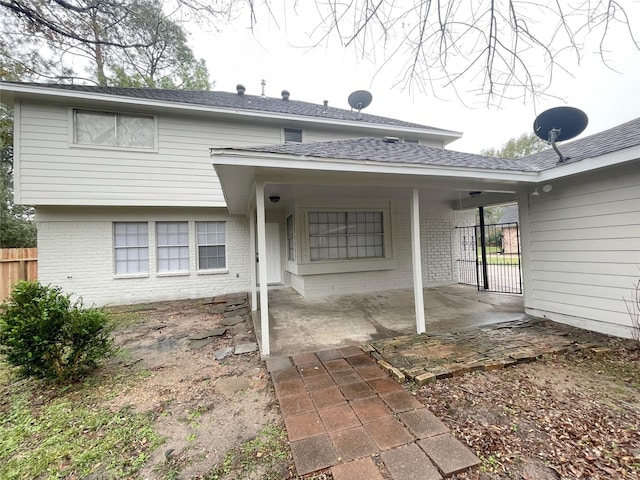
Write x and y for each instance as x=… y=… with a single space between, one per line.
x=326 y=106
x=240 y=88
x=390 y=139
x=285 y=94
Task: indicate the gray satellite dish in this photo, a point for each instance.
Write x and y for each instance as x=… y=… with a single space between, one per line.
x=559 y=124
x=360 y=99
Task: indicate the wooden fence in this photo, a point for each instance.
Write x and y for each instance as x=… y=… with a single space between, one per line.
x=16 y=264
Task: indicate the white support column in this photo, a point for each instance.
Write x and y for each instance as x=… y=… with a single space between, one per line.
x=262 y=269
x=252 y=260
x=417 y=260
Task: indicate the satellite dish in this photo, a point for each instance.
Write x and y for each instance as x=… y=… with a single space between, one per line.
x=559 y=124
x=360 y=99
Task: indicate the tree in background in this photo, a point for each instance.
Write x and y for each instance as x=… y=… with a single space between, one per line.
x=519 y=147
x=17 y=228
x=101 y=42
x=104 y=42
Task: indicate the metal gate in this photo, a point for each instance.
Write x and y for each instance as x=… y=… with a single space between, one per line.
x=489 y=257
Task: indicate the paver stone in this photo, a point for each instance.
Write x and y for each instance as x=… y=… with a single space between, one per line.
x=448 y=453
x=313 y=454
x=353 y=443
x=409 y=462
x=362 y=469
x=422 y=423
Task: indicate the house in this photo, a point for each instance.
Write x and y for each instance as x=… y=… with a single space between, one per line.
x=510 y=232
x=329 y=201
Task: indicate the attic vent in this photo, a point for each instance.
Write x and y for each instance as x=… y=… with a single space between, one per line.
x=240 y=89
x=390 y=139
x=411 y=140
x=285 y=94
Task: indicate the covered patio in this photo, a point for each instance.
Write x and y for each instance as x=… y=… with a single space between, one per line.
x=298 y=324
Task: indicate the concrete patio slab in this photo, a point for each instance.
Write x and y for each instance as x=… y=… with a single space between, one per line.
x=299 y=325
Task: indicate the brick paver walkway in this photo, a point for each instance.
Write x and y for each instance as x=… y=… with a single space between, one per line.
x=343 y=412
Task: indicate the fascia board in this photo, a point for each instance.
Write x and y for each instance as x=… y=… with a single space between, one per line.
x=270 y=160
x=100 y=97
x=590 y=164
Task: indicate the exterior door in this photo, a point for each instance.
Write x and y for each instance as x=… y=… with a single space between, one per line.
x=274 y=264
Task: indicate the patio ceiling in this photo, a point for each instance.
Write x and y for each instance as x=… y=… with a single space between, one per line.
x=438 y=187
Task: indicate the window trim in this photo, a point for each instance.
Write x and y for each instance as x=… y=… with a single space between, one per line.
x=72 y=131
x=115 y=248
x=225 y=245
x=342 y=221
x=290 y=234
x=158 y=246
x=292 y=129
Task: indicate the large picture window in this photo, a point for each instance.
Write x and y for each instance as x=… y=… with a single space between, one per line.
x=173 y=246
x=109 y=129
x=212 y=240
x=345 y=235
x=131 y=247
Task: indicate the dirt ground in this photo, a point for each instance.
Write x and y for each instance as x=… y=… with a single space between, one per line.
x=570 y=416
x=204 y=407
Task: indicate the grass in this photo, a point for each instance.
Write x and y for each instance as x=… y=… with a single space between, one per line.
x=501 y=259
x=267 y=452
x=51 y=431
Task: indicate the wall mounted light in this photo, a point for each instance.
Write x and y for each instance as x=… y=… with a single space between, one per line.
x=475 y=194
x=274 y=198
x=535 y=192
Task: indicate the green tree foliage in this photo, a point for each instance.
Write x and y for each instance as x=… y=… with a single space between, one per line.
x=104 y=42
x=47 y=335
x=519 y=147
x=17 y=228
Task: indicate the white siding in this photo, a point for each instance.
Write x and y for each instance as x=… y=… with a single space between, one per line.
x=53 y=171
x=583 y=250
x=75 y=252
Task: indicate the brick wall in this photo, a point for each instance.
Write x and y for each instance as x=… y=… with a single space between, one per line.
x=76 y=253
x=439 y=250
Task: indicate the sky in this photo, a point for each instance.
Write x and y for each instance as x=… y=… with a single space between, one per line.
x=278 y=52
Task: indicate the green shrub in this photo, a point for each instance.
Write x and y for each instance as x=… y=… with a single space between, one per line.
x=45 y=334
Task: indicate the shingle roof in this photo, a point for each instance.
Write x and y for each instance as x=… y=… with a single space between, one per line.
x=241 y=102
x=379 y=150
x=509 y=215
x=623 y=136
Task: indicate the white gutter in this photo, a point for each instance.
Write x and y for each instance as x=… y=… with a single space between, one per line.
x=589 y=164
x=76 y=94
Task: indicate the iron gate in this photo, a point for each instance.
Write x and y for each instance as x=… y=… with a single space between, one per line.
x=489 y=257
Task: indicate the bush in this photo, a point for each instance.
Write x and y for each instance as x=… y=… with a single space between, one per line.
x=45 y=334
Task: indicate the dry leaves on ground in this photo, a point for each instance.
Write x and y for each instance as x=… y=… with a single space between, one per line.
x=573 y=416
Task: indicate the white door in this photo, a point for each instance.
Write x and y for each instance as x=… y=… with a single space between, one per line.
x=274 y=267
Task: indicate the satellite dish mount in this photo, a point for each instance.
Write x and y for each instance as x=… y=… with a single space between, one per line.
x=360 y=99
x=558 y=124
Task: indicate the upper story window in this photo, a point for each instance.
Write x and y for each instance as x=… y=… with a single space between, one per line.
x=293 y=135
x=109 y=129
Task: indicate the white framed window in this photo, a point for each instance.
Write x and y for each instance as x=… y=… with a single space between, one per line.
x=212 y=245
x=345 y=235
x=292 y=135
x=131 y=247
x=116 y=130
x=172 y=240
x=291 y=244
